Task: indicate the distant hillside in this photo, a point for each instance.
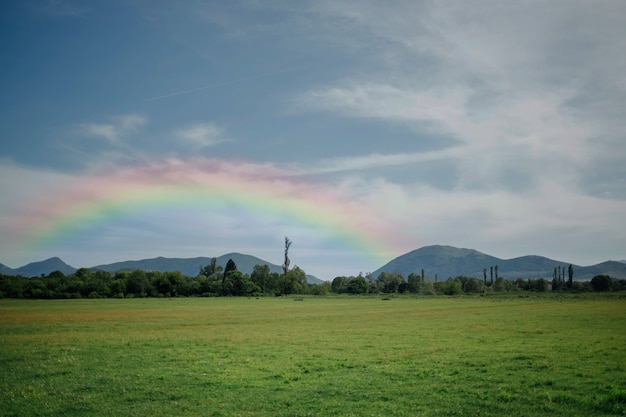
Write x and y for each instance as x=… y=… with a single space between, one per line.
x=191 y=266
x=6 y=270
x=613 y=269
x=448 y=261
x=36 y=269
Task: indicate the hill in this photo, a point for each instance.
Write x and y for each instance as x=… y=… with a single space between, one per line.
x=448 y=261
x=35 y=269
x=6 y=270
x=191 y=266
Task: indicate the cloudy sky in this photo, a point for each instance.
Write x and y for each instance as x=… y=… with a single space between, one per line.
x=359 y=129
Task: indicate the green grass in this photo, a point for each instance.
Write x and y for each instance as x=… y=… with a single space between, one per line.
x=342 y=356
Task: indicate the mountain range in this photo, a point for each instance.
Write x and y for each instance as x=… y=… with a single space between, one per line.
x=186 y=266
x=443 y=261
x=448 y=261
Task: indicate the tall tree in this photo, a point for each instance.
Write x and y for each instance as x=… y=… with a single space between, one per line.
x=570 y=273
x=261 y=276
x=491 y=273
x=210 y=269
x=286 y=263
x=230 y=266
x=555 y=280
x=485 y=275
x=496 y=268
x=413 y=281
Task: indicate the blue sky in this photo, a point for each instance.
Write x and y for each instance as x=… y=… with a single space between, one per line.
x=491 y=125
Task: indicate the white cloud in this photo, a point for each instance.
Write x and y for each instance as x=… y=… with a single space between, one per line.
x=201 y=135
x=116 y=130
x=509 y=81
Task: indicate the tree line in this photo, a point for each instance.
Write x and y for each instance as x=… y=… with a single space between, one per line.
x=213 y=281
x=390 y=282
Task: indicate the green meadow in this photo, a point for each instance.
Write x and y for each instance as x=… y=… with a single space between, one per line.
x=337 y=356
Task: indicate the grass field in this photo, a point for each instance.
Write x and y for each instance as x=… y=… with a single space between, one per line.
x=342 y=356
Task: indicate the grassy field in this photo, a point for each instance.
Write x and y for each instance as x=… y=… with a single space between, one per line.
x=342 y=356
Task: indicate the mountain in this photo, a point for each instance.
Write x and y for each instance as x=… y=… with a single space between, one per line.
x=448 y=261
x=6 y=270
x=613 y=269
x=191 y=266
x=36 y=269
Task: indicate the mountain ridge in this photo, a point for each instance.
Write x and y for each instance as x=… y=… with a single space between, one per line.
x=443 y=260
x=186 y=266
x=449 y=261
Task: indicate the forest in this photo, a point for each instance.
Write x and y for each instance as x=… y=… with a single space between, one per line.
x=215 y=281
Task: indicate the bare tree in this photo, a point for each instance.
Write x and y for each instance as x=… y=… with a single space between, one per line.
x=286 y=263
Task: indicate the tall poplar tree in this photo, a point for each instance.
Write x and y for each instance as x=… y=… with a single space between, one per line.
x=286 y=263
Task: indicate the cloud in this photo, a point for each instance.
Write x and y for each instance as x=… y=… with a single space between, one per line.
x=105 y=131
x=201 y=135
x=113 y=132
x=519 y=87
x=369 y=162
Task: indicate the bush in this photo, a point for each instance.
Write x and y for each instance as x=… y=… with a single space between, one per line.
x=601 y=283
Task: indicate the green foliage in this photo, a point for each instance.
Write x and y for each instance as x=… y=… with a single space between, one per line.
x=210 y=281
x=450 y=287
x=293 y=282
x=261 y=277
x=389 y=282
x=601 y=283
x=357 y=285
x=230 y=266
x=339 y=285
x=319 y=289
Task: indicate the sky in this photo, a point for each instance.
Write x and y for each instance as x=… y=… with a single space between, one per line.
x=361 y=130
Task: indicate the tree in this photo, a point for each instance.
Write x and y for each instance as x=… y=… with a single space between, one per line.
x=293 y=282
x=261 y=276
x=485 y=275
x=319 y=289
x=451 y=287
x=499 y=285
x=357 y=285
x=230 y=267
x=491 y=273
x=137 y=283
x=496 y=268
x=555 y=280
x=570 y=273
x=339 y=285
x=473 y=285
x=210 y=269
x=414 y=283
x=237 y=283
x=286 y=263
x=601 y=283
x=389 y=282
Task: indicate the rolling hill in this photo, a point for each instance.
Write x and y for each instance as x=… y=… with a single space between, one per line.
x=186 y=266
x=445 y=261
x=36 y=269
x=449 y=261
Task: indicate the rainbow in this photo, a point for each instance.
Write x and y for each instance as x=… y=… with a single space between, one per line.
x=171 y=185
